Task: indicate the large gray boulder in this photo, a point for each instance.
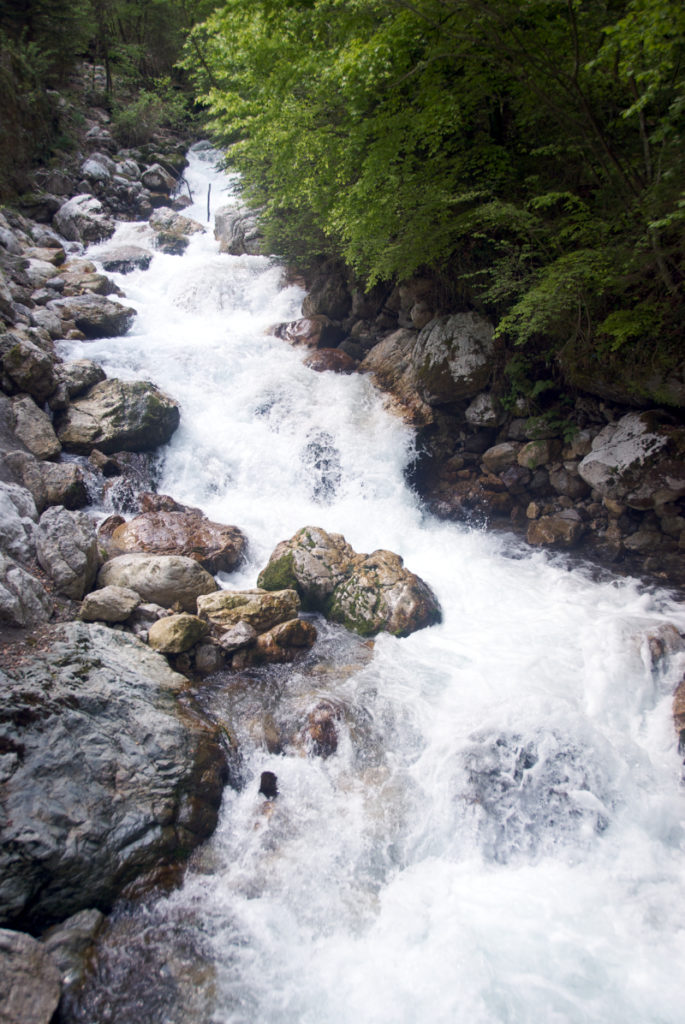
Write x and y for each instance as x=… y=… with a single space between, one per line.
x=96 y=315
x=105 y=774
x=67 y=548
x=163 y=579
x=30 y=368
x=29 y=980
x=83 y=219
x=366 y=593
x=118 y=415
x=18 y=516
x=453 y=357
x=237 y=231
x=639 y=461
x=23 y=599
x=34 y=428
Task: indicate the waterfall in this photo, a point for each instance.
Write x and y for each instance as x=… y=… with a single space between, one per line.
x=498 y=838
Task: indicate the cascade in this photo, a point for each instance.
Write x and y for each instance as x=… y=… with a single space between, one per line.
x=498 y=836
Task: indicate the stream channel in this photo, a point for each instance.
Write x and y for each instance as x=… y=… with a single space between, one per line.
x=498 y=838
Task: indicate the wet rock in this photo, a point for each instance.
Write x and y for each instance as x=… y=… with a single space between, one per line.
x=260 y=609
x=66 y=548
x=83 y=219
x=237 y=231
x=95 y=315
x=172 y=230
x=106 y=775
x=23 y=599
x=331 y=359
x=315 y=331
x=268 y=785
x=208 y=658
x=313 y=562
x=157 y=179
x=562 y=529
x=640 y=461
x=167 y=580
x=390 y=363
x=568 y=483
x=176 y=633
x=70 y=943
x=29 y=980
x=18 y=515
x=240 y=635
x=117 y=415
x=34 y=428
x=64 y=484
x=281 y=644
x=328 y=293
x=109 y=604
x=453 y=357
x=501 y=456
x=218 y=548
x=484 y=411
x=322 y=728
x=380 y=594
x=125 y=259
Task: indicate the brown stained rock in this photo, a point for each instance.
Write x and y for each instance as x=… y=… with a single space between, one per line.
x=284 y=642
x=322 y=728
x=218 y=548
x=260 y=609
x=331 y=359
x=562 y=529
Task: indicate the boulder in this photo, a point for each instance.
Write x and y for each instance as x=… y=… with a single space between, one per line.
x=260 y=609
x=484 y=411
x=313 y=562
x=18 y=515
x=390 y=364
x=168 y=580
x=501 y=456
x=216 y=547
x=109 y=604
x=176 y=633
x=70 y=943
x=34 y=428
x=453 y=357
x=83 y=219
x=29 y=367
x=67 y=549
x=30 y=986
x=366 y=593
x=106 y=775
x=157 y=179
x=380 y=594
x=333 y=359
x=95 y=315
x=237 y=231
x=639 y=461
x=240 y=635
x=23 y=599
x=279 y=645
x=315 y=331
x=64 y=484
x=562 y=530
x=78 y=375
x=118 y=415
x=125 y=259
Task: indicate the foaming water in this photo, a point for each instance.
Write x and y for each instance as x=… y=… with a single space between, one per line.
x=498 y=837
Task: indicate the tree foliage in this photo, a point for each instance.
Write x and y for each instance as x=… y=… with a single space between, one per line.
x=531 y=148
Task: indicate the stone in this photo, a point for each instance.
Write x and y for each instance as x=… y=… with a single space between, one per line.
x=157 y=179
x=218 y=548
x=240 y=635
x=78 y=375
x=64 y=484
x=453 y=357
x=167 y=580
x=67 y=549
x=18 y=515
x=283 y=643
x=29 y=980
x=109 y=604
x=316 y=331
x=501 y=456
x=176 y=633
x=106 y=774
x=29 y=367
x=259 y=608
x=95 y=315
x=23 y=599
x=237 y=231
x=640 y=461
x=322 y=728
x=538 y=453
x=484 y=411
x=117 y=415
x=125 y=259
x=330 y=359
x=70 y=942
x=381 y=595
x=561 y=529
x=34 y=428
x=313 y=562
x=208 y=659
x=390 y=364
x=328 y=293
x=83 y=219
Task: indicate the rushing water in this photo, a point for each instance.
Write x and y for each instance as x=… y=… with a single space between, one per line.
x=499 y=836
